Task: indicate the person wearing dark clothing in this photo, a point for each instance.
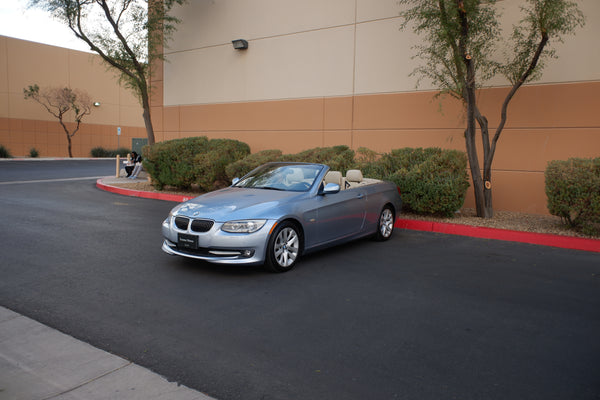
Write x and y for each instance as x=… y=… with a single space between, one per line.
x=135 y=160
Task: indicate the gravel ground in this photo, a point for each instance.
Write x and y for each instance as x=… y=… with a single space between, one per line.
x=502 y=219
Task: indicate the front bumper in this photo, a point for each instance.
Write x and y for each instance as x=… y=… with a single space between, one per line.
x=217 y=246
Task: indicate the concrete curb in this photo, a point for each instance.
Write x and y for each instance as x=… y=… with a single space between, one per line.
x=565 y=242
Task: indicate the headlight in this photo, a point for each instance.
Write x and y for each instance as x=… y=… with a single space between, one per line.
x=245 y=226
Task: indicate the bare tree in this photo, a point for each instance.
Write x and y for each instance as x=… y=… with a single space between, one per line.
x=61 y=102
x=459 y=51
x=129 y=35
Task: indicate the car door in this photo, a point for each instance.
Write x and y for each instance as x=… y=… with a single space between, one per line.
x=339 y=215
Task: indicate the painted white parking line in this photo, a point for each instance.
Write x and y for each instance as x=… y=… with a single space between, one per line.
x=52 y=180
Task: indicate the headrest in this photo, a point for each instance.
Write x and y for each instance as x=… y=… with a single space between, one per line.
x=333 y=177
x=354 y=175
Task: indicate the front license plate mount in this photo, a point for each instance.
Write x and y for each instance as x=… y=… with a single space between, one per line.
x=186 y=241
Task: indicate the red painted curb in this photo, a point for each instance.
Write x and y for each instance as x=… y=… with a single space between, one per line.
x=565 y=242
x=140 y=193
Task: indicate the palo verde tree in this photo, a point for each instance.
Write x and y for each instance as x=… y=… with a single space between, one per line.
x=462 y=48
x=62 y=102
x=128 y=34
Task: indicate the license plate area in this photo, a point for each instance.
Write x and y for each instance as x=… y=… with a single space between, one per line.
x=185 y=241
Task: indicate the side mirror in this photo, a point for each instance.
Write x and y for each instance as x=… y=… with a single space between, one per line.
x=331 y=188
x=234 y=181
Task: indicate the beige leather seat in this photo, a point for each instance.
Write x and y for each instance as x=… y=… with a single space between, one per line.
x=354 y=177
x=333 y=177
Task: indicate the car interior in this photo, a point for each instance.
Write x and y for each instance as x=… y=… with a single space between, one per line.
x=353 y=178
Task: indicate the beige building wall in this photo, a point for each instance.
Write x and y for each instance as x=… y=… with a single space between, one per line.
x=319 y=48
x=25 y=124
x=327 y=72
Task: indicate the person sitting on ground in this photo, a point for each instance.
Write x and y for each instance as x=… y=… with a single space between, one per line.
x=131 y=163
x=137 y=167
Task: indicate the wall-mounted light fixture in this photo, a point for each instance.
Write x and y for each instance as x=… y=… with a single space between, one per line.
x=96 y=104
x=240 y=44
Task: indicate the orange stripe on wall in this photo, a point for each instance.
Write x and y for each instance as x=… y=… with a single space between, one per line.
x=545 y=122
x=49 y=139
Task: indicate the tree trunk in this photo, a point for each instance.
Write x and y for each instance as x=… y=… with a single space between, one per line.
x=488 y=209
x=60 y=120
x=488 y=156
x=149 y=128
x=69 y=140
x=475 y=172
x=148 y=119
x=472 y=113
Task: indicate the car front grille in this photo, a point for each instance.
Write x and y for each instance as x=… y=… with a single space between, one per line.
x=198 y=225
x=201 y=225
x=182 y=223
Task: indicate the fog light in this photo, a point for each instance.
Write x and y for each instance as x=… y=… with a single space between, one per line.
x=247 y=253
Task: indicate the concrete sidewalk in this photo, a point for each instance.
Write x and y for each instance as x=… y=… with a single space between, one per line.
x=40 y=363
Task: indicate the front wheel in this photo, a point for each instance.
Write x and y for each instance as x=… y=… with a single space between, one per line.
x=385 y=226
x=284 y=248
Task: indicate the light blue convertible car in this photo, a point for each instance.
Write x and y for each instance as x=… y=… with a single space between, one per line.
x=280 y=211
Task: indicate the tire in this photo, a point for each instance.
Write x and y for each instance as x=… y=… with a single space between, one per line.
x=385 y=224
x=284 y=247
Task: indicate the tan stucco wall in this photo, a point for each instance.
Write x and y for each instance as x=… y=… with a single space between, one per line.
x=321 y=73
x=546 y=122
x=324 y=48
x=25 y=124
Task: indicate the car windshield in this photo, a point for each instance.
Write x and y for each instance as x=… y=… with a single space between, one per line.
x=288 y=177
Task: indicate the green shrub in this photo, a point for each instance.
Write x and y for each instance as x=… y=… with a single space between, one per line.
x=432 y=180
x=365 y=156
x=100 y=152
x=389 y=163
x=121 y=151
x=339 y=158
x=573 y=191
x=4 y=152
x=209 y=166
x=247 y=164
x=33 y=153
x=172 y=162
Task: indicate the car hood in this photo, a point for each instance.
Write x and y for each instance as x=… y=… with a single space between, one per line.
x=237 y=203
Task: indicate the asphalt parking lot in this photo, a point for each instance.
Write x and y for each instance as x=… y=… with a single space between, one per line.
x=423 y=316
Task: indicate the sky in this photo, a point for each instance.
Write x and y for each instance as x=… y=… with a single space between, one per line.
x=35 y=25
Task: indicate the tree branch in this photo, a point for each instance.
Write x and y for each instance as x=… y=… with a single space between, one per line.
x=513 y=90
x=79 y=32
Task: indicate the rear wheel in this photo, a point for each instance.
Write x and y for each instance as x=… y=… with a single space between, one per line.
x=284 y=247
x=385 y=226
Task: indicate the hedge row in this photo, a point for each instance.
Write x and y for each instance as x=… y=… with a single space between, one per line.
x=192 y=161
x=432 y=181
x=100 y=152
x=339 y=158
x=4 y=152
x=573 y=191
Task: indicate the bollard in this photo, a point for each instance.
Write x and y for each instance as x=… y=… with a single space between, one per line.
x=118 y=166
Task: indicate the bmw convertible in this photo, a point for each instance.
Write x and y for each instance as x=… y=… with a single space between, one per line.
x=280 y=211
